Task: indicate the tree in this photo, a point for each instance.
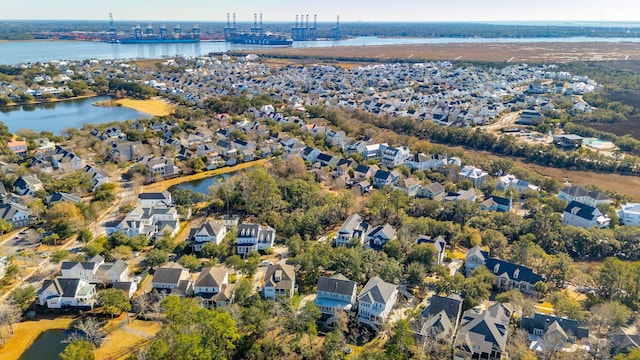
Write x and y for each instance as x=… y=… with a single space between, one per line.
x=190 y=262
x=415 y=273
x=424 y=254
x=113 y=301
x=88 y=329
x=78 y=350
x=59 y=255
x=5 y=227
x=610 y=313
x=610 y=277
x=157 y=257
x=105 y=193
x=401 y=342
x=332 y=346
x=23 y=296
x=85 y=235
x=10 y=313
x=64 y=219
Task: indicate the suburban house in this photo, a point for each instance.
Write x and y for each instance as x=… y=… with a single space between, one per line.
x=376 y=301
x=18 y=147
x=56 y=197
x=529 y=117
x=279 y=281
x=568 y=141
x=155 y=199
x=59 y=159
x=161 y=166
x=27 y=185
x=547 y=331
x=468 y=195
x=352 y=228
x=172 y=279
x=477 y=176
x=335 y=294
x=624 y=340
x=254 y=237
x=438 y=242
x=433 y=191
x=584 y=216
x=379 y=236
x=383 y=178
x=483 y=333
x=212 y=288
x=630 y=214
x=509 y=181
x=442 y=315
x=209 y=232
x=508 y=275
x=364 y=172
x=496 y=203
x=579 y=194
x=409 y=186
x=148 y=221
x=96 y=271
x=16 y=214
x=67 y=292
x=393 y=157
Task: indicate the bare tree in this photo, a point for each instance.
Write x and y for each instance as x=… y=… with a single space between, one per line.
x=33 y=238
x=142 y=305
x=89 y=330
x=10 y=313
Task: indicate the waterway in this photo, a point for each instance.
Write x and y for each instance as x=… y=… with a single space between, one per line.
x=47 y=346
x=16 y=52
x=57 y=116
x=202 y=186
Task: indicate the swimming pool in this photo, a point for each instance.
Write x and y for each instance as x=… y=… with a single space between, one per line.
x=599 y=144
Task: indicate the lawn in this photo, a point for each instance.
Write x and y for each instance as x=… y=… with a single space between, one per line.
x=121 y=342
x=149 y=106
x=26 y=332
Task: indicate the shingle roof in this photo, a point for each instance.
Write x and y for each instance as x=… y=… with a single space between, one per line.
x=287 y=279
x=168 y=275
x=485 y=331
x=582 y=210
x=337 y=284
x=211 y=277
x=377 y=291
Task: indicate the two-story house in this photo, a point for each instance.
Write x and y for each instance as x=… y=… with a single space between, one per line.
x=335 y=294
x=438 y=242
x=254 y=237
x=393 y=157
x=279 y=281
x=584 y=216
x=433 y=191
x=441 y=317
x=15 y=214
x=385 y=178
x=548 y=332
x=483 y=333
x=376 y=301
x=172 y=279
x=579 y=194
x=354 y=228
x=67 y=292
x=209 y=232
x=380 y=236
x=629 y=214
x=155 y=199
x=96 y=271
x=475 y=175
x=496 y=203
x=27 y=185
x=212 y=288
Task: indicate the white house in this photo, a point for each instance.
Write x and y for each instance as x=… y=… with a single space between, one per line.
x=96 y=271
x=155 y=199
x=65 y=292
x=376 y=301
x=279 y=281
x=16 y=214
x=392 y=157
x=212 y=288
x=172 y=279
x=380 y=236
x=477 y=176
x=584 y=216
x=579 y=194
x=254 y=237
x=630 y=214
x=209 y=232
x=352 y=228
x=27 y=185
x=335 y=294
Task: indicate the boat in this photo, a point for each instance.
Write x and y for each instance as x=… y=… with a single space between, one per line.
x=265 y=38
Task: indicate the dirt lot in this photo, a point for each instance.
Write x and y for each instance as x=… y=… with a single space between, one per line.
x=514 y=53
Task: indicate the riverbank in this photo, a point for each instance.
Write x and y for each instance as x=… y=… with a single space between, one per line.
x=26 y=332
x=166 y=184
x=153 y=107
x=54 y=100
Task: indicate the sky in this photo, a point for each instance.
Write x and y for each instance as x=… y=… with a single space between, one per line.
x=349 y=10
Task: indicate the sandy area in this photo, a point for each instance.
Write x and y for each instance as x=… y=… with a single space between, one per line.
x=164 y=185
x=120 y=342
x=152 y=107
x=25 y=333
x=494 y=52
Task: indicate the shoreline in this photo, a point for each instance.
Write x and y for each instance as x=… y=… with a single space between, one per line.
x=152 y=106
x=40 y=102
x=26 y=333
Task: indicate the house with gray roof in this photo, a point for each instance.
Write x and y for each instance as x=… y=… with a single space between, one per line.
x=624 y=340
x=56 y=197
x=27 y=185
x=279 y=281
x=212 y=288
x=335 y=294
x=549 y=332
x=67 y=292
x=155 y=199
x=433 y=191
x=441 y=317
x=383 y=178
x=475 y=175
x=483 y=333
x=352 y=228
x=172 y=279
x=469 y=195
x=254 y=237
x=496 y=203
x=438 y=242
x=375 y=302
x=380 y=236
x=16 y=214
x=584 y=216
x=209 y=232
x=579 y=194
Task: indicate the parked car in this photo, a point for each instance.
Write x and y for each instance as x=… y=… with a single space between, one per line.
x=266 y=263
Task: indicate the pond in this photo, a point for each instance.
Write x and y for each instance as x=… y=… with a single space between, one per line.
x=57 y=116
x=47 y=346
x=202 y=186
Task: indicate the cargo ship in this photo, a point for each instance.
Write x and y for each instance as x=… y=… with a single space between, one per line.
x=265 y=38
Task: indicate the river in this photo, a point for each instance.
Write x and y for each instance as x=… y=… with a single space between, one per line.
x=56 y=116
x=16 y=52
x=202 y=186
x=47 y=346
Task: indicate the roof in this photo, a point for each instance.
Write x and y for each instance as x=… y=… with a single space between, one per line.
x=434 y=188
x=209 y=228
x=155 y=196
x=350 y=224
x=484 y=331
x=513 y=271
x=438 y=242
x=582 y=210
x=543 y=322
x=377 y=291
x=337 y=284
x=168 y=275
x=211 y=277
x=287 y=276
x=451 y=305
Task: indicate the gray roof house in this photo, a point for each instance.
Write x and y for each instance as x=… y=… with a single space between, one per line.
x=433 y=191
x=279 y=281
x=212 y=288
x=209 y=232
x=172 y=279
x=61 y=197
x=441 y=318
x=27 y=185
x=16 y=214
x=376 y=301
x=584 y=216
x=352 y=228
x=483 y=333
x=550 y=331
x=334 y=294
x=67 y=292
x=438 y=242
x=254 y=237
x=380 y=235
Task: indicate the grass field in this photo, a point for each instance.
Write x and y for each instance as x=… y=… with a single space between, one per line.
x=149 y=106
x=121 y=342
x=25 y=333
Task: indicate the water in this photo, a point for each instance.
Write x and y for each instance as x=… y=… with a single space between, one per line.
x=202 y=186
x=35 y=51
x=47 y=346
x=60 y=115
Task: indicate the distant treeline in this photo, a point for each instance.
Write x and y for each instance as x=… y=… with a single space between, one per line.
x=413 y=29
